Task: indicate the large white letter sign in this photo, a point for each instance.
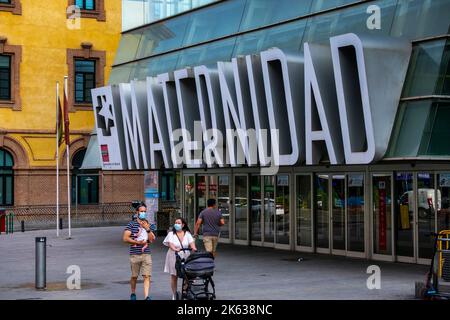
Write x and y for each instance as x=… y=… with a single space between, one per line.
x=211 y=114
x=235 y=116
x=284 y=89
x=173 y=118
x=321 y=115
x=369 y=73
x=189 y=113
x=157 y=123
x=134 y=115
x=335 y=103
x=259 y=107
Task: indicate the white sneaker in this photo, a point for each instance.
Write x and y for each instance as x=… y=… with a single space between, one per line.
x=173 y=297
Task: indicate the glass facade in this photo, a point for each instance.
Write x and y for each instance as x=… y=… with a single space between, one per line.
x=139 y=12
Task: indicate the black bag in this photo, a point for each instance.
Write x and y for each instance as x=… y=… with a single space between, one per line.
x=179 y=266
x=179 y=262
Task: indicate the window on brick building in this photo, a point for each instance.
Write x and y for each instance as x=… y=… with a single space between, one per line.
x=84 y=80
x=6 y=178
x=5 y=77
x=85 y=4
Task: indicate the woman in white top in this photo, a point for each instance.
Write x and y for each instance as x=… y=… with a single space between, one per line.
x=179 y=237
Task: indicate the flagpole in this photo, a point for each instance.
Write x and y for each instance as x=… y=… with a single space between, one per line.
x=67 y=161
x=57 y=159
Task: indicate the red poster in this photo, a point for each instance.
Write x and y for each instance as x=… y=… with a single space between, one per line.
x=382 y=223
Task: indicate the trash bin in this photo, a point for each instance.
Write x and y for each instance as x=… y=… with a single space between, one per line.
x=2 y=220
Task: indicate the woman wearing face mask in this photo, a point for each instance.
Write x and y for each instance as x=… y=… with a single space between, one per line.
x=179 y=237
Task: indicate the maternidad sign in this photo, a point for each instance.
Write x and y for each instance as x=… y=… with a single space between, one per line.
x=334 y=103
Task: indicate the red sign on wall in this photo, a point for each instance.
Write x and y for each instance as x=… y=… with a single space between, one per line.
x=382 y=223
x=105 y=153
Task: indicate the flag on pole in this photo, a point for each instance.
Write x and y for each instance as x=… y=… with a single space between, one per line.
x=66 y=118
x=59 y=124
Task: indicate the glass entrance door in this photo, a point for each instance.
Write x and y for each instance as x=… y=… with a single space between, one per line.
x=303 y=219
x=189 y=201
x=269 y=211
x=404 y=216
x=443 y=201
x=355 y=213
x=201 y=194
x=282 y=210
x=241 y=209
x=337 y=216
x=426 y=214
x=256 y=221
x=223 y=204
x=321 y=212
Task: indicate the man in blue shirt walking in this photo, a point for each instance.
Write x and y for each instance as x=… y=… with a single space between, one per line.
x=140 y=257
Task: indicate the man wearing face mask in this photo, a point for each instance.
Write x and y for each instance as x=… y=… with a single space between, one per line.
x=140 y=258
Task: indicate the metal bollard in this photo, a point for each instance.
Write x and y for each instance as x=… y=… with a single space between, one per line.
x=60 y=224
x=22 y=225
x=41 y=268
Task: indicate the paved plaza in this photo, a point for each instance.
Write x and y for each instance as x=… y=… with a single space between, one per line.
x=241 y=272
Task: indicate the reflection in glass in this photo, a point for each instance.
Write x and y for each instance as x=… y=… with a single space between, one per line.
x=121 y=74
x=409 y=127
x=201 y=195
x=321 y=210
x=353 y=19
x=269 y=209
x=223 y=204
x=404 y=213
x=240 y=207
x=421 y=128
x=263 y=12
x=417 y=19
x=425 y=68
x=426 y=205
x=207 y=54
x=255 y=207
x=355 y=212
x=212 y=187
x=282 y=209
x=128 y=46
x=303 y=202
x=286 y=37
x=338 y=214
x=136 y=13
x=163 y=36
x=189 y=209
x=321 y=5
x=443 y=204
x=382 y=206
x=216 y=22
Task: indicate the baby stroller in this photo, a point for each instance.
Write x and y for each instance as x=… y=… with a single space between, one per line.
x=196 y=271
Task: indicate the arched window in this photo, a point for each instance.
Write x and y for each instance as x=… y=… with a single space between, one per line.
x=6 y=178
x=84 y=182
